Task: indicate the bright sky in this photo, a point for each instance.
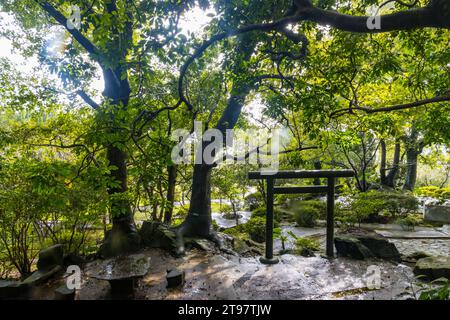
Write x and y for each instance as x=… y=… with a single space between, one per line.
x=194 y=21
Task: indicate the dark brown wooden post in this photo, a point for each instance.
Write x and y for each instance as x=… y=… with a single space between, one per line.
x=330 y=217
x=269 y=259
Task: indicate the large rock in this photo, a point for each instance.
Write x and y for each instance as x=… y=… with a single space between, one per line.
x=158 y=235
x=380 y=247
x=415 y=256
x=432 y=268
x=51 y=257
x=119 y=242
x=11 y=289
x=437 y=213
x=40 y=276
x=73 y=259
x=352 y=248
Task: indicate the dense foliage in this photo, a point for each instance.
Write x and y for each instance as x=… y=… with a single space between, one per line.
x=77 y=160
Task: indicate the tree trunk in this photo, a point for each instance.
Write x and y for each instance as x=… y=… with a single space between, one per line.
x=198 y=221
x=414 y=148
x=172 y=180
x=411 y=170
x=123 y=237
x=383 y=178
x=392 y=175
x=317 y=166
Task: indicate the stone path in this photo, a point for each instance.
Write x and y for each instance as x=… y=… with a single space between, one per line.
x=433 y=247
x=221 y=276
x=418 y=234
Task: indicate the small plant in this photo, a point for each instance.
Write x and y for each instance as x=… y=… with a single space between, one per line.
x=256 y=228
x=409 y=222
x=306 y=213
x=225 y=209
x=304 y=246
x=253 y=201
x=215 y=225
x=259 y=212
x=438 y=289
x=262 y=212
x=282 y=236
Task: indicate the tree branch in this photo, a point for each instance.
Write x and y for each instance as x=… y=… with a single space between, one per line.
x=397 y=107
x=62 y=20
x=435 y=15
x=83 y=95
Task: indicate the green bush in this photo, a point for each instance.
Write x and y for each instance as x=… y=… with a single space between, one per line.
x=346 y=216
x=304 y=246
x=225 y=208
x=441 y=194
x=409 y=222
x=261 y=212
x=306 y=213
x=238 y=231
x=253 y=201
x=436 y=290
x=368 y=205
x=256 y=228
x=286 y=200
x=215 y=225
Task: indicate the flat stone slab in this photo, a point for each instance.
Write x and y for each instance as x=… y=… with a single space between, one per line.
x=121 y=268
x=40 y=276
x=419 y=234
x=392 y=227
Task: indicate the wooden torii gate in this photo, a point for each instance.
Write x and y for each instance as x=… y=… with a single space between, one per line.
x=329 y=189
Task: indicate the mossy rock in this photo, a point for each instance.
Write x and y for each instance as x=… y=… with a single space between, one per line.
x=380 y=247
x=50 y=257
x=432 y=268
x=351 y=248
x=158 y=235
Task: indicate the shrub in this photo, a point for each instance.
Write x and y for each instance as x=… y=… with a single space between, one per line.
x=256 y=228
x=436 y=290
x=225 y=208
x=237 y=231
x=40 y=206
x=215 y=225
x=409 y=222
x=253 y=201
x=306 y=213
x=286 y=200
x=346 y=216
x=304 y=246
x=261 y=212
x=442 y=194
x=369 y=205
